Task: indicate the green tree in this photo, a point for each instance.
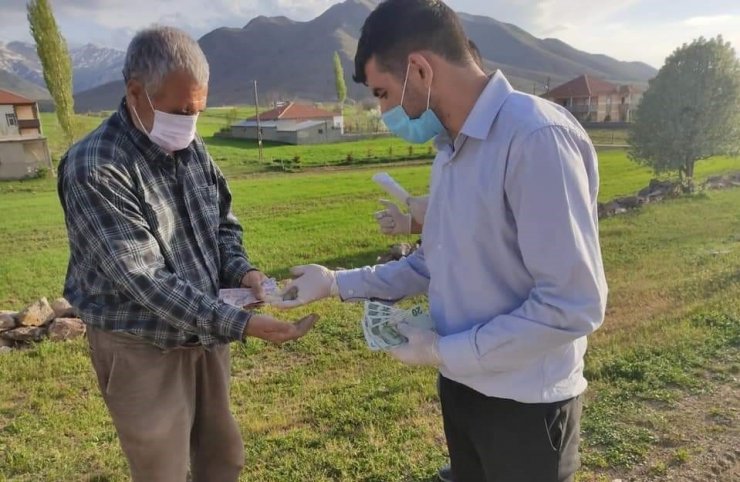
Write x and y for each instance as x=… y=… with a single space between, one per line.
x=339 y=79
x=56 y=63
x=231 y=116
x=691 y=110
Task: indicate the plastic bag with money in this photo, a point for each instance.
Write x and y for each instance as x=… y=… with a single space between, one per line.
x=244 y=297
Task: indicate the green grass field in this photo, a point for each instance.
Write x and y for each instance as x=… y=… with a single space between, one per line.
x=326 y=408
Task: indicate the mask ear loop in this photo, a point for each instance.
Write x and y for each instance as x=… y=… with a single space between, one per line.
x=405 y=81
x=429 y=92
x=149 y=99
x=137 y=114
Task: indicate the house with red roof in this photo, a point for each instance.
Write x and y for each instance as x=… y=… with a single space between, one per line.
x=23 y=148
x=594 y=100
x=292 y=123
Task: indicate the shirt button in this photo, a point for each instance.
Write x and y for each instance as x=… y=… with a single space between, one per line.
x=351 y=292
x=439 y=246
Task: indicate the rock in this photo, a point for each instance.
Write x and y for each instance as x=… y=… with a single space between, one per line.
x=62 y=308
x=401 y=250
x=291 y=294
x=661 y=188
x=715 y=179
x=37 y=314
x=25 y=334
x=722 y=182
x=630 y=202
x=4 y=343
x=8 y=320
x=396 y=252
x=612 y=209
x=5 y=349
x=62 y=329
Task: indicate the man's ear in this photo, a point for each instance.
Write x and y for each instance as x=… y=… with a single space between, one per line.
x=420 y=66
x=134 y=89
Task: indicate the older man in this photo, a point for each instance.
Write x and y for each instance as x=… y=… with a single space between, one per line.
x=152 y=238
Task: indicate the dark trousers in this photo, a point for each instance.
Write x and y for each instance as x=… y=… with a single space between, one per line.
x=498 y=440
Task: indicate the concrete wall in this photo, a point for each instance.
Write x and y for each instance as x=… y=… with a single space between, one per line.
x=25 y=112
x=5 y=129
x=22 y=158
x=320 y=134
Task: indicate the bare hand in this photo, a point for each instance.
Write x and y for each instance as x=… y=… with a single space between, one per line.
x=254 y=280
x=276 y=331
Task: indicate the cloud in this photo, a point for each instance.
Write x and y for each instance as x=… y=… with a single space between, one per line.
x=646 y=30
x=711 y=20
x=573 y=15
x=113 y=22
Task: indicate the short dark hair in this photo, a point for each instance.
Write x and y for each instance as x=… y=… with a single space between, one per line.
x=398 y=27
x=475 y=52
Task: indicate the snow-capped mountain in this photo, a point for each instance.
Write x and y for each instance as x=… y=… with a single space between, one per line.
x=92 y=65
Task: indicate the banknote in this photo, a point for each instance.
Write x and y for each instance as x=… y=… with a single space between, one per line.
x=380 y=321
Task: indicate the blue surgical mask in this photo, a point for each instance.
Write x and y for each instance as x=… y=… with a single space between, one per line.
x=417 y=131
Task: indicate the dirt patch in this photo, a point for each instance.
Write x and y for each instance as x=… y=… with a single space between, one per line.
x=699 y=439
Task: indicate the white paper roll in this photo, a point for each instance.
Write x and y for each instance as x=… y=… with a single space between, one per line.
x=389 y=185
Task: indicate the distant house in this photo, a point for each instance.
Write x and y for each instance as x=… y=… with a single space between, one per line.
x=23 y=148
x=595 y=100
x=292 y=123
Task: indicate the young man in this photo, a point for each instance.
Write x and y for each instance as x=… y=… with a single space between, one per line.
x=392 y=220
x=152 y=238
x=510 y=257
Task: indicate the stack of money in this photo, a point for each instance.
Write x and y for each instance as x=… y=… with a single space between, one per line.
x=379 y=324
x=244 y=297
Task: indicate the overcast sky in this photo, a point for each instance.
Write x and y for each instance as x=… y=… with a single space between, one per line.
x=646 y=30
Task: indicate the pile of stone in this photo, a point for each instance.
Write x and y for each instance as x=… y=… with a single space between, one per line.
x=722 y=182
x=398 y=251
x=656 y=191
x=40 y=320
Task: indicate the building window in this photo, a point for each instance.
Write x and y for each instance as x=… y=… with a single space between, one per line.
x=11 y=120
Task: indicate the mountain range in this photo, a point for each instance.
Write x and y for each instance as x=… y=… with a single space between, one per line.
x=293 y=60
x=20 y=68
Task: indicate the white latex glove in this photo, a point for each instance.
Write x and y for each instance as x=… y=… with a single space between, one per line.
x=391 y=220
x=418 y=207
x=313 y=281
x=421 y=349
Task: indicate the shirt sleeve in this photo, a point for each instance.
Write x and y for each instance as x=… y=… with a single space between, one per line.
x=551 y=186
x=389 y=282
x=105 y=217
x=234 y=260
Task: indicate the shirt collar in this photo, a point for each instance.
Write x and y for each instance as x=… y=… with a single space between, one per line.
x=481 y=117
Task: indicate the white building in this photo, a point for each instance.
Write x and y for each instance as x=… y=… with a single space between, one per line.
x=293 y=123
x=23 y=148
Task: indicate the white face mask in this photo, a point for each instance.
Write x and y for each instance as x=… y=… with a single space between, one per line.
x=171 y=132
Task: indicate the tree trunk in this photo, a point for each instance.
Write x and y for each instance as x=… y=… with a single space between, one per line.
x=689 y=168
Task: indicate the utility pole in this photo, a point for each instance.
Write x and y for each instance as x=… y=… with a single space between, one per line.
x=259 y=126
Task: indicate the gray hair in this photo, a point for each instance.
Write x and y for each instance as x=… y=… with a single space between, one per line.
x=155 y=52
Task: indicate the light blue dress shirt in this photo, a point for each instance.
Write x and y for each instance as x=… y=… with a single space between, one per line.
x=510 y=258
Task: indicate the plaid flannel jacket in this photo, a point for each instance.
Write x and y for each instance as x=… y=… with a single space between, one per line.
x=152 y=238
